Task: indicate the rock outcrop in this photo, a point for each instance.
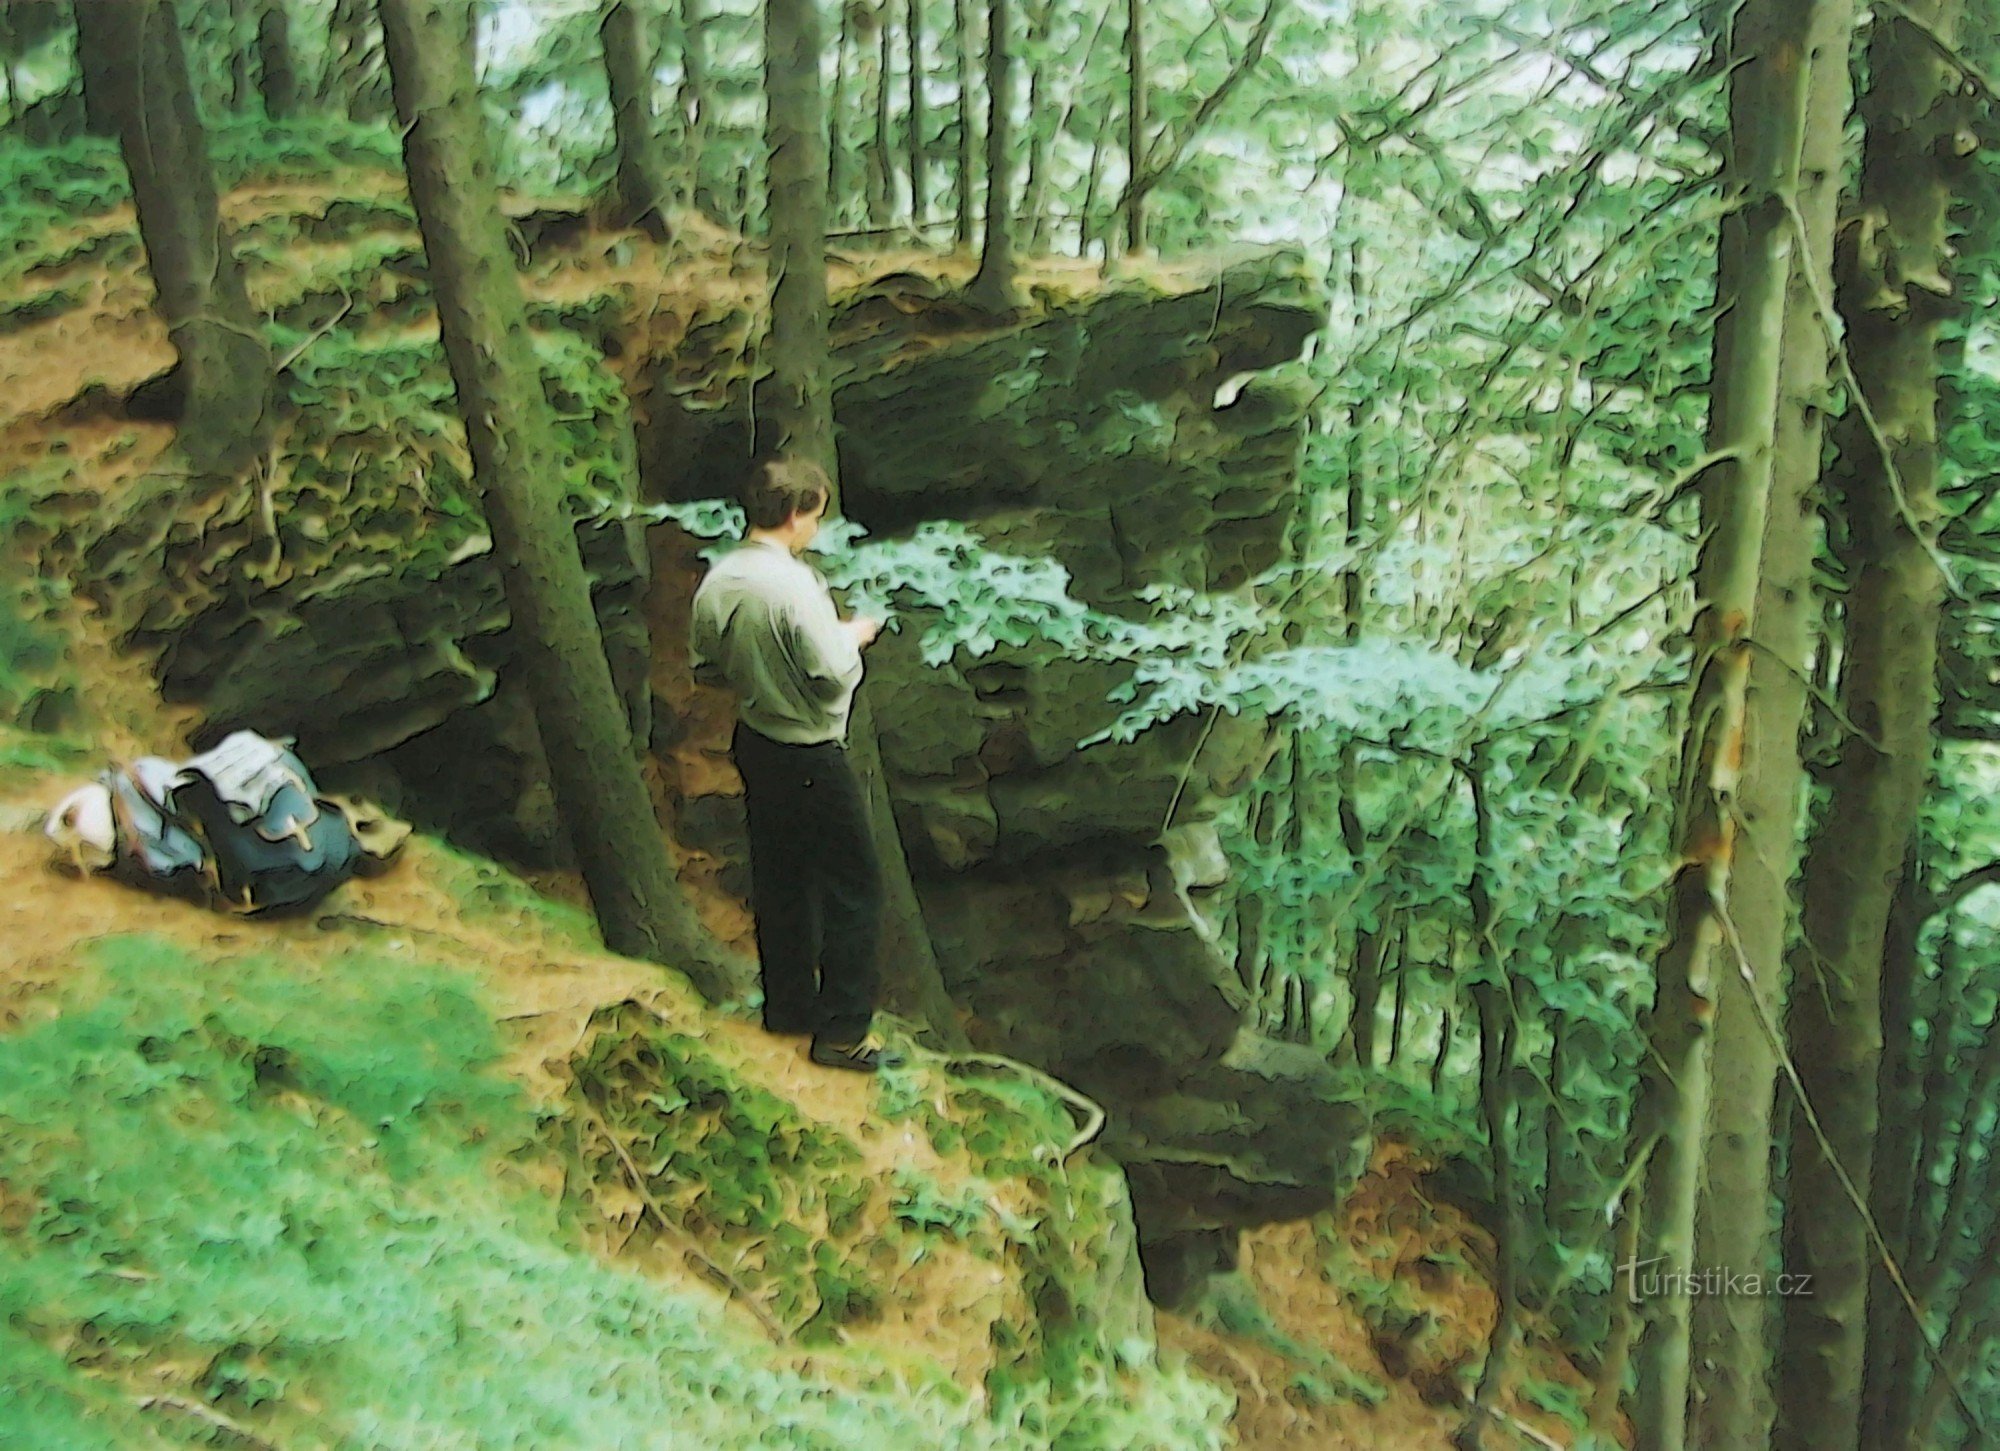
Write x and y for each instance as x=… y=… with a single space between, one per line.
x=1076 y=895
x=1142 y=433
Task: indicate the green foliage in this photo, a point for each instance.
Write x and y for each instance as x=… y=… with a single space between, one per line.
x=308 y=1204
x=38 y=689
x=484 y=890
x=43 y=190
x=251 y=148
x=1230 y=1304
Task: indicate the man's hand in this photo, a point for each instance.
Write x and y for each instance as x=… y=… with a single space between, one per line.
x=864 y=628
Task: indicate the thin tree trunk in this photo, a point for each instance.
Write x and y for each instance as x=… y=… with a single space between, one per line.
x=222 y=380
x=1733 y=1353
x=962 y=41
x=1093 y=183
x=871 y=50
x=1971 y=1325
x=1769 y=54
x=920 y=198
x=799 y=415
x=641 y=182
x=1943 y=1071
x=836 y=119
x=277 y=74
x=1366 y=982
x=602 y=798
x=882 y=155
x=1894 y=297
x=1396 y=1018
x=1496 y=1054
x=695 y=102
x=7 y=67
x=1034 y=200
x=1135 y=130
x=993 y=287
x=1899 y=1160
x=242 y=31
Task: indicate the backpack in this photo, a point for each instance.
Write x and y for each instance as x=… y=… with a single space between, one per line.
x=241 y=826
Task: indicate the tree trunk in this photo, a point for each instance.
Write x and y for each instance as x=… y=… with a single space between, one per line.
x=1769 y=52
x=962 y=41
x=277 y=75
x=602 y=798
x=836 y=114
x=993 y=287
x=799 y=416
x=641 y=184
x=1733 y=1349
x=1496 y=1055
x=695 y=102
x=1899 y=1161
x=1894 y=297
x=873 y=47
x=1135 y=130
x=1093 y=182
x=222 y=380
x=1041 y=133
x=797 y=405
x=241 y=31
x=920 y=200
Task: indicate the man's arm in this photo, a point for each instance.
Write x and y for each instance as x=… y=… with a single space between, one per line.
x=823 y=650
x=705 y=643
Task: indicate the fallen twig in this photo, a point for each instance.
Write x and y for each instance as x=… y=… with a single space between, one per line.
x=204 y=1413
x=689 y=1247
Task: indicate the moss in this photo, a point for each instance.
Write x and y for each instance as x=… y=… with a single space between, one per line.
x=339 y=1248
x=42 y=306
x=483 y=889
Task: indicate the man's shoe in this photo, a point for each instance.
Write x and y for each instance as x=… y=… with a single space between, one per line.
x=863 y=1057
x=785 y=1028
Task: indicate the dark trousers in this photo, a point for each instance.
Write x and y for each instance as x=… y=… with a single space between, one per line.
x=815 y=886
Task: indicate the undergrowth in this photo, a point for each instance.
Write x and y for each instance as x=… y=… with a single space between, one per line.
x=297 y=1197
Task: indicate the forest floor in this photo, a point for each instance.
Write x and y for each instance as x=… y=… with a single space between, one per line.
x=1358 y=1329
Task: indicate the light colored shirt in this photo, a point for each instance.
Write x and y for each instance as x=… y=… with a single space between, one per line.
x=765 y=628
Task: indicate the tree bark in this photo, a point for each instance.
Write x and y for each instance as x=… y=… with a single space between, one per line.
x=1135 y=130
x=1894 y=296
x=242 y=30
x=222 y=381
x=1733 y=1350
x=993 y=286
x=873 y=46
x=1496 y=1060
x=641 y=183
x=277 y=75
x=1899 y=1162
x=962 y=41
x=1093 y=180
x=919 y=148
x=1769 y=52
x=602 y=798
x=799 y=417
x=1041 y=134
x=695 y=102
x=797 y=406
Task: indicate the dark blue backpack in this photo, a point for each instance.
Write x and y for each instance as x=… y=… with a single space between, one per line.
x=241 y=826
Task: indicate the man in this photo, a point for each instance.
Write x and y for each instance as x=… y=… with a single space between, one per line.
x=766 y=628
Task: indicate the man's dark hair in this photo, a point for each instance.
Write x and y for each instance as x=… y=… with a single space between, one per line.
x=781 y=487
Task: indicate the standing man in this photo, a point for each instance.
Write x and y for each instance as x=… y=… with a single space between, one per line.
x=765 y=628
